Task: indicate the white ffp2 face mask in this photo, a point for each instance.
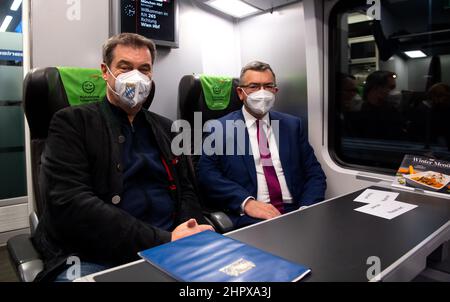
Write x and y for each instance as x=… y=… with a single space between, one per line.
x=260 y=102
x=132 y=87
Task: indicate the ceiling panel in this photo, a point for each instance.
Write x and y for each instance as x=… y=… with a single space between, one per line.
x=5 y=10
x=269 y=4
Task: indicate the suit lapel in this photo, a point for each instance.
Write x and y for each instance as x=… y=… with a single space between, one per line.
x=282 y=137
x=247 y=157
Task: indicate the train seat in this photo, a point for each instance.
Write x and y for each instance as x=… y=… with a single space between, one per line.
x=213 y=99
x=45 y=91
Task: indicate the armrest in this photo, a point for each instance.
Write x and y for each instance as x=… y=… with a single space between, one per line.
x=221 y=222
x=26 y=260
x=34 y=221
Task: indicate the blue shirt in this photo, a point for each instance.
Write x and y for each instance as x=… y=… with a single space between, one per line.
x=146 y=186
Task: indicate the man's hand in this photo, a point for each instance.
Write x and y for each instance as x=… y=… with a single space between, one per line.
x=188 y=228
x=261 y=210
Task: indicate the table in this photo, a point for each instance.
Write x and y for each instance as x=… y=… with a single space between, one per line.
x=336 y=242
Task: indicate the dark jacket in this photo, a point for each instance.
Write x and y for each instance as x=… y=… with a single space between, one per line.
x=81 y=175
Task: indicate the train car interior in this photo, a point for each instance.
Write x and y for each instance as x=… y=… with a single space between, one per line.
x=369 y=81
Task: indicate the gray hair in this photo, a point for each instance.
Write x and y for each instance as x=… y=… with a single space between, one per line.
x=126 y=39
x=256 y=66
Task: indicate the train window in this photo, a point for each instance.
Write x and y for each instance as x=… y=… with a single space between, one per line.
x=12 y=131
x=389 y=82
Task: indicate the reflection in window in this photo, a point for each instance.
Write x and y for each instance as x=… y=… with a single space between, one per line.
x=12 y=132
x=389 y=82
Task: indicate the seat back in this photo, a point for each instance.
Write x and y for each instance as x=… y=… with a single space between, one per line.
x=191 y=99
x=47 y=90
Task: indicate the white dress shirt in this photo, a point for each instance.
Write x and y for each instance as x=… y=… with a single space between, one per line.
x=263 y=191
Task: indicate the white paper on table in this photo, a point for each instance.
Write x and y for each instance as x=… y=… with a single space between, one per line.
x=388 y=210
x=369 y=196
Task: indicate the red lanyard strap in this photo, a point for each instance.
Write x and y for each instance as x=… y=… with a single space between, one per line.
x=169 y=175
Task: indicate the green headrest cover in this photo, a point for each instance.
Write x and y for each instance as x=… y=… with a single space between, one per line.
x=82 y=85
x=217 y=91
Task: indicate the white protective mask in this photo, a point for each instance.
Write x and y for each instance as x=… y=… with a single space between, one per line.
x=132 y=87
x=260 y=102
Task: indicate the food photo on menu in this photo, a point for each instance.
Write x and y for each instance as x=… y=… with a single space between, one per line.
x=424 y=173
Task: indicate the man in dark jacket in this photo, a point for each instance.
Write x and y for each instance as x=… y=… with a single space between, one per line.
x=112 y=185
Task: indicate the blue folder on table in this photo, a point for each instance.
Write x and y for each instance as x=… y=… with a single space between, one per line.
x=212 y=257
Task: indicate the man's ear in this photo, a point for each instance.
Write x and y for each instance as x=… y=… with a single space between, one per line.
x=240 y=93
x=104 y=71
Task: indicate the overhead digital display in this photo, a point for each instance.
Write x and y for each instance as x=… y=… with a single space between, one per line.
x=154 y=19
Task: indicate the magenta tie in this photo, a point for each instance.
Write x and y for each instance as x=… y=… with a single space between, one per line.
x=276 y=197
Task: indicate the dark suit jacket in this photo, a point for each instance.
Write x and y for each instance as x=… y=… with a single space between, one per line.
x=227 y=180
x=81 y=174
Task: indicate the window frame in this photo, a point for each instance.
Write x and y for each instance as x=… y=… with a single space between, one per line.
x=335 y=139
x=333 y=131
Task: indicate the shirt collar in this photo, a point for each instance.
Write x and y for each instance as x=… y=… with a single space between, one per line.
x=122 y=115
x=250 y=119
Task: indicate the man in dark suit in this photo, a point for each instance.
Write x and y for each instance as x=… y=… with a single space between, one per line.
x=272 y=168
x=113 y=186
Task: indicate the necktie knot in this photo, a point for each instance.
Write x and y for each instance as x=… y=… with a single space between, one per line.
x=263 y=143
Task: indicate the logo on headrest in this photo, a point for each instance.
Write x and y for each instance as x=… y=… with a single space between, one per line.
x=217 y=89
x=88 y=87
